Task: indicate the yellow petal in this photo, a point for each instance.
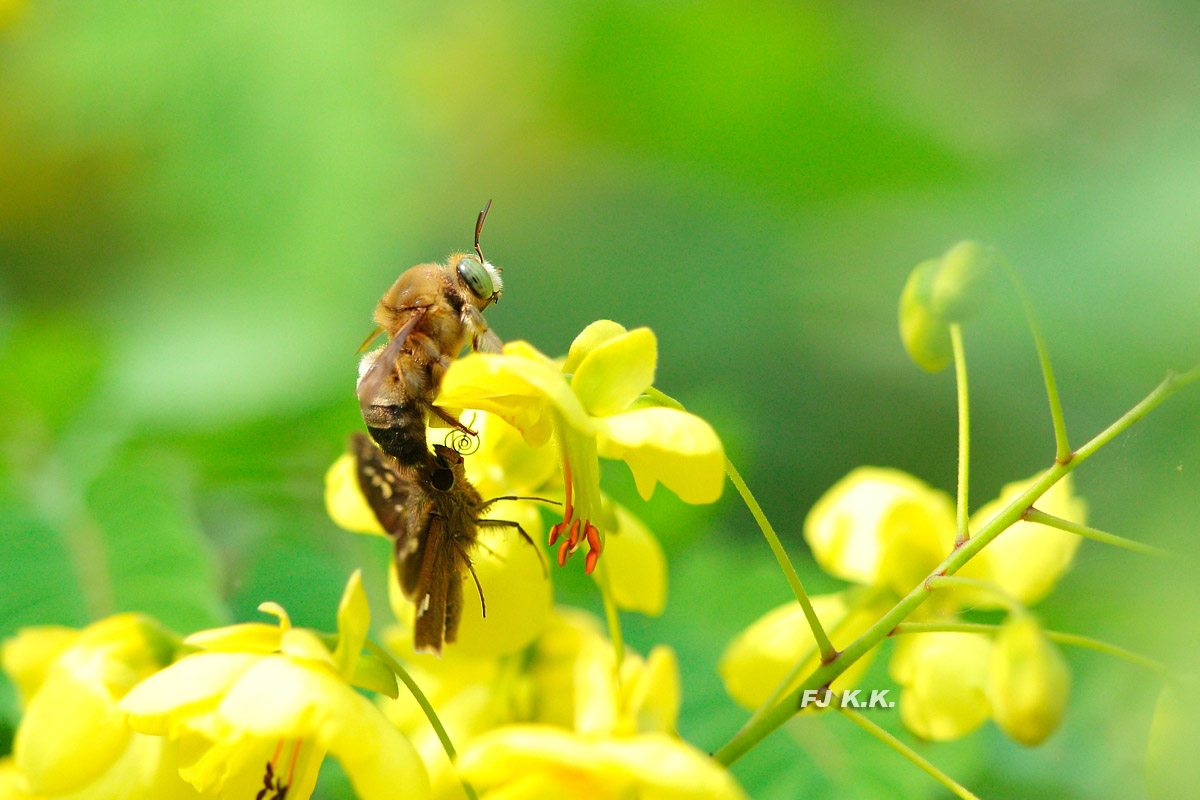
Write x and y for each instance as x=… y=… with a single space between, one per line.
x=244 y=637
x=303 y=644
x=354 y=620
x=72 y=732
x=662 y=444
x=944 y=676
x=344 y=501
x=761 y=656
x=616 y=372
x=874 y=512
x=519 y=390
x=589 y=339
x=28 y=655
x=1029 y=682
x=1027 y=559
x=637 y=567
x=597 y=694
x=651 y=766
x=652 y=693
x=194 y=681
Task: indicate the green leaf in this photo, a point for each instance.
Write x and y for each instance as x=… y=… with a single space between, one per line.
x=157 y=558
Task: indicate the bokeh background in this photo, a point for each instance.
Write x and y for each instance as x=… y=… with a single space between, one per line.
x=200 y=203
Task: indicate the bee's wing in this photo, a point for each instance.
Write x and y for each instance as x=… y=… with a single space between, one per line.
x=372 y=381
x=438 y=590
x=391 y=495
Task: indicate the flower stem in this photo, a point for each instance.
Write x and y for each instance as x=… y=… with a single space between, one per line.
x=1042 y=518
x=824 y=646
x=823 y=675
x=425 y=705
x=964 y=432
x=912 y=755
x=611 y=616
x=1072 y=639
x=1062 y=448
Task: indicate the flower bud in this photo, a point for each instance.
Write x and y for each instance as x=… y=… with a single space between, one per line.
x=1029 y=682
x=941 y=291
x=943 y=676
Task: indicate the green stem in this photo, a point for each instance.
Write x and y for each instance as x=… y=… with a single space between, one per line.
x=964 y=432
x=425 y=705
x=1062 y=448
x=825 y=647
x=1042 y=518
x=865 y=599
x=1072 y=639
x=611 y=616
x=823 y=675
x=912 y=755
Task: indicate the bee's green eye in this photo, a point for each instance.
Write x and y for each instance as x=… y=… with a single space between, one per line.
x=476 y=277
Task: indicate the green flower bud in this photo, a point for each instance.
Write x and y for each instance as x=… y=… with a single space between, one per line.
x=941 y=291
x=925 y=335
x=1172 y=769
x=962 y=281
x=1028 y=682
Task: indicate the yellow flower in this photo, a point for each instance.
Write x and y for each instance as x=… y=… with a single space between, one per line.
x=880 y=527
x=520 y=762
x=761 y=656
x=1029 y=682
x=594 y=406
x=944 y=678
x=73 y=739
x=1027 y=559
x=261 y=705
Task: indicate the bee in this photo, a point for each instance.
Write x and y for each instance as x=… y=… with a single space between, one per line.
x=432 y=514
x=429 y=314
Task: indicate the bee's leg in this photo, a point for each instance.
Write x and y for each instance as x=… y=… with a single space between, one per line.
x=482 y=339
x=504 y=523
x=450 y=420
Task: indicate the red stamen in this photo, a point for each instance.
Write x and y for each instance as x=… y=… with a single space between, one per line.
x=556 y=531
x=593 y=538
x=562 y=553
x=574 y=538
x=589 y=563
x=278 y=747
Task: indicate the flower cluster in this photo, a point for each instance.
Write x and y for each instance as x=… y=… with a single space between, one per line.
x=539 y=701
x=886 y=531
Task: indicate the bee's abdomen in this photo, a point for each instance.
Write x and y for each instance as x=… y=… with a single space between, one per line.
x=400 y=432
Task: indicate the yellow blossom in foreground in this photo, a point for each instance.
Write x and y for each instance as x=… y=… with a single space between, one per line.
x=594 y=406
x=880 y=527
x=944 y=678
x=73 y=739
x=266 y=703
x=1028 y=683
x=1027 y=559
x=760 y=657
x=535 y=761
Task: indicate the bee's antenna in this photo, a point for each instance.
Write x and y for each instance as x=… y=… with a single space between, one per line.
x=479 y=229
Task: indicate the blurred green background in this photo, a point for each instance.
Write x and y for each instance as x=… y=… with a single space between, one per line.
x=200 y=204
